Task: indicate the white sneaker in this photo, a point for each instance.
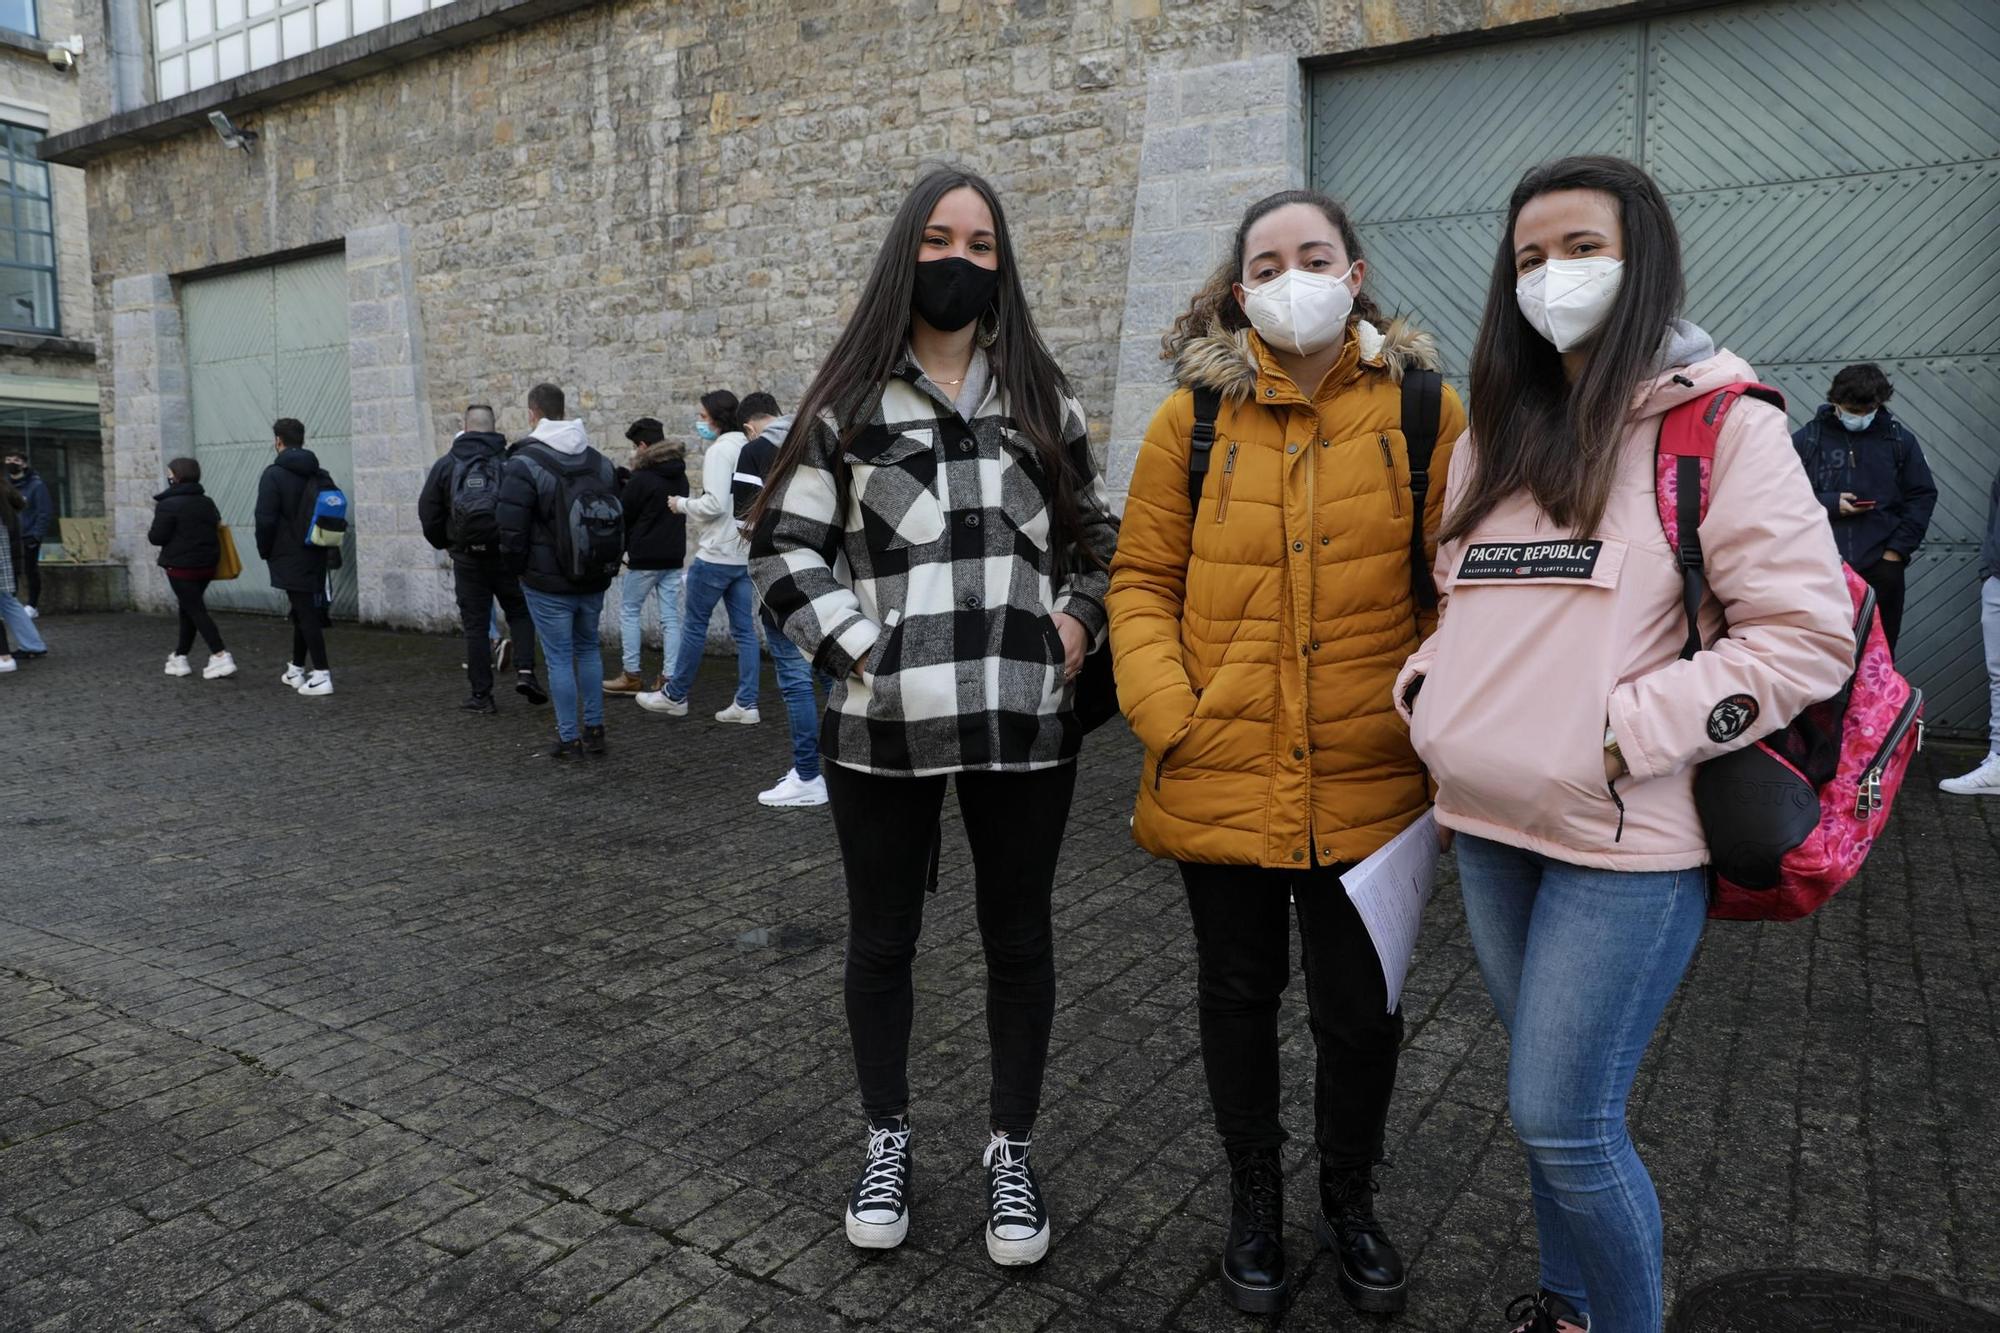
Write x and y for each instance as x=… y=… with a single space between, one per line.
x=656 y=701
x=749 y=717
x=33 y=614
x=177 y=665
x=793 y=791
x=1981 y=781
x=317 y=684
x=7 y=664
x=295 y=676
x=219 y=665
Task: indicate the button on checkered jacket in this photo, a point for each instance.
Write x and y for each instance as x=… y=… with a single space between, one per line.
x=941 y=573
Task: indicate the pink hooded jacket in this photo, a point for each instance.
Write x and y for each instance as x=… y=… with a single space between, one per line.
x=1546 y=637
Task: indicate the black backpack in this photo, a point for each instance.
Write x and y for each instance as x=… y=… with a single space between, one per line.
x=1423 y=400
x=474 y=521
x=589 y=522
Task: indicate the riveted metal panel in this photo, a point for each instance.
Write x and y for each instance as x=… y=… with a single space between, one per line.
x=1834 y=166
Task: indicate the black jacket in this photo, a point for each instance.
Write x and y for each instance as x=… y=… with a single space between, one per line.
x=434 y=502
x=655 y=536
x=185 y=523
x=38 y=508
x=284 y=512
x=1883 y=463
x=530 y=497
x=1989 y=547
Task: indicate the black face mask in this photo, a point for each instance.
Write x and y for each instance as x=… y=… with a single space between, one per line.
x=953 y=292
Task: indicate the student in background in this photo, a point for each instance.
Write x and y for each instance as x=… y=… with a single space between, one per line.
x=655 y=549
x=187 y=527
x=285 y=496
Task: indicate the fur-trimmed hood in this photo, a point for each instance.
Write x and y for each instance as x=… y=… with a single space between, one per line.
x=661 y=453
x=1226 y=360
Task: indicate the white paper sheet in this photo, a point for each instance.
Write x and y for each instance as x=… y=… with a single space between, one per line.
x=1390 y=890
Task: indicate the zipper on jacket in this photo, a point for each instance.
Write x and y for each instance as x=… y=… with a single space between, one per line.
x=1389 y=466
x=1228 y=480
x=1619 y=801
x=1868 y=790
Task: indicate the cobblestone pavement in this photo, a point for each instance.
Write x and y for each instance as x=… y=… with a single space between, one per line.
x=352 y=1013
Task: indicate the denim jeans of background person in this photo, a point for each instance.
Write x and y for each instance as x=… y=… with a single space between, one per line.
x=706 y=586
x=1984 y=780
x=634 y=587
x=803 y=785
x=566 y=626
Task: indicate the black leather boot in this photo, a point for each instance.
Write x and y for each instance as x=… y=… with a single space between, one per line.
x=1253 y=1260
x=1371 y=1272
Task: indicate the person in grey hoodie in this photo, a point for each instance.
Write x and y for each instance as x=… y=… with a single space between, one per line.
x=559 y=496
x=802 y=785
x=1984 y=780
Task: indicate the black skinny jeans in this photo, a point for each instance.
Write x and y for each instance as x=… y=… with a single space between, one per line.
x=308 y=636
x=194 y=615
x=888 y=830
x=478 y=584
x=1888 y=578
x=1242 y=931
x=32 y=574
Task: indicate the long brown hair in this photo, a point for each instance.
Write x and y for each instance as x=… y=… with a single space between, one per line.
x=1215 y=305
x=849 y=382
x=1532 y=430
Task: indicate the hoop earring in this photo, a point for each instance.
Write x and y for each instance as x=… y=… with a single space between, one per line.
x=989 y=330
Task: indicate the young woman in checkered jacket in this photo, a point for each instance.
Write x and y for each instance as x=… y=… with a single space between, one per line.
x=934 y=536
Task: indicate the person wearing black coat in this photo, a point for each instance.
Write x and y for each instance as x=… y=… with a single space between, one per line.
x=655 y=547
x=14 y=617
x=187 y=527
x=1870 y=473
x=285 y=496
x=480 y=572
x=38 y=524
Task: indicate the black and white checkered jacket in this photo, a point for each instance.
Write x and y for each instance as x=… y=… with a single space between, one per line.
x=941 y=573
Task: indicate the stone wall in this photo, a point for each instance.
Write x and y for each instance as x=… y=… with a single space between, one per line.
x=643 y=202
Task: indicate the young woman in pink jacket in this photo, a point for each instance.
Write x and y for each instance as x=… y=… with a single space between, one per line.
x=1554 y=710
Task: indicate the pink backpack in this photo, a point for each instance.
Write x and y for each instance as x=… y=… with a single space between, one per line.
x=1791 y=818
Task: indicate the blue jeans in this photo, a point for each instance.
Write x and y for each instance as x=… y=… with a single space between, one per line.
x=633 y=589
x=706 y=585
x=795 y=682
x=1580 y=964
x=27 y=639
x=566 y=624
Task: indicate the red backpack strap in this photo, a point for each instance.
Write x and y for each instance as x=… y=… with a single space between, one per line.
x=1684 y=463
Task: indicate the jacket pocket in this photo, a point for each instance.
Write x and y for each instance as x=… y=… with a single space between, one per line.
x=1228 y=482
x=895 y=489
x=1389 y=467
x=1024 y=502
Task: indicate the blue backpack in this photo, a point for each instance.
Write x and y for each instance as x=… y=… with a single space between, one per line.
x=327 y=525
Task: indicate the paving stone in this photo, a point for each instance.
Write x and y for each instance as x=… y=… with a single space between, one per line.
x=472 y=1042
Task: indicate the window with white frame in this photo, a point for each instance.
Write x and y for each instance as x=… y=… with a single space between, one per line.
x=200 y=42
x=27 y=234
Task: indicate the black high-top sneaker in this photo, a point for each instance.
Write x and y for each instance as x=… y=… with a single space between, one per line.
x=1371 y=1272
x=1017 y=1223
x=1253 y=1258
x=593 y=740
x=878 y=1211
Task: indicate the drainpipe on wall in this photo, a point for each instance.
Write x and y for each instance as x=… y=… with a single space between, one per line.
x=125 y=42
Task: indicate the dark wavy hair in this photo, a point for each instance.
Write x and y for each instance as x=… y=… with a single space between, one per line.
x=722 y=410
x=849 y=382
x=1532 y=429
x=1861 y=383
x=1215 y=305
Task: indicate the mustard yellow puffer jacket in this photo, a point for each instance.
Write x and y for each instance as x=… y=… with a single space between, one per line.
x=1257 y=642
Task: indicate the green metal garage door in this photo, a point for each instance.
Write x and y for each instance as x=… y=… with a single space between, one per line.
x=1835 y=169
x=265 y=343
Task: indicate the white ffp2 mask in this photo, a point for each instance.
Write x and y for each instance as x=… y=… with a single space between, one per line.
x=1568 y=300
x=1299 y=311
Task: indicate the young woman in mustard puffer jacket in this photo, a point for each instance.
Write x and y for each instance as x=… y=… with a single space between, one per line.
x=1257 y=638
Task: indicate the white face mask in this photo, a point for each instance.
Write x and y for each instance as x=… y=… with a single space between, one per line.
x=1299 y=311
x=1853 y=422
x=1568 y=300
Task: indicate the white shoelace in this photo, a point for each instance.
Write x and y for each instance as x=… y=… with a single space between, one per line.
x=882 y=1183
x=1013 y=1192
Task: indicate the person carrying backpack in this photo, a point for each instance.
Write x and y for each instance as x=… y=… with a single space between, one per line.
x=1558 y=709
x=459 y=509
x=287 y=495
x=1267 y=587
x=563 y=528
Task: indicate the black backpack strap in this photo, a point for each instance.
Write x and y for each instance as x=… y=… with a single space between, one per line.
x=1423 y=403
x=1694 y=575
x=1201 y=441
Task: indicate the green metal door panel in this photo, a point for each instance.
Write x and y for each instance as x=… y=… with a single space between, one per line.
x=262 y=344
x=1834 y=167
x=1753 y=94
x=1449 y=134
x=312 y=299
